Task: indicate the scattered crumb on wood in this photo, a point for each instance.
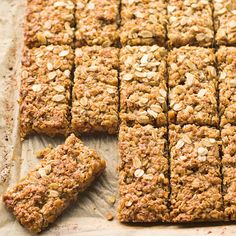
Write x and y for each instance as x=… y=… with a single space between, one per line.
x=111 y=199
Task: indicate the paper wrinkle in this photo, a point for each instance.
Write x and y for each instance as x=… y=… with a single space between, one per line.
x=87 y=215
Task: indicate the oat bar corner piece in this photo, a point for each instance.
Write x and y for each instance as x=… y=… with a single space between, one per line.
x=43 y=195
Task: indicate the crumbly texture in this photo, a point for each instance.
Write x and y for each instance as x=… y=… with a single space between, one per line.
x=190 y=23
x=97 y=22
x=195 y=174
x=225 y=21
x=49 y=22
x=143 y=91
x=43 y=195
x=228 y=134
x=45 y=90
x=227 y=84
x=143 y=22
x=193 y=83
x=95 y=91
x=143 y=174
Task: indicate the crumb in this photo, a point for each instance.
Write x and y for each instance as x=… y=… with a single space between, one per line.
x=209 y=232
x=109 y=216
x=111 y=199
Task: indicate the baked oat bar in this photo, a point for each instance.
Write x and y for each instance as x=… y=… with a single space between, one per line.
x=192 y=84
x=95 y=91
x=143 y=91
x=227 y=84
x=190 y=23
x=225 y=21
x=143 y=174
x=43 y=195
x=97 y=22
x=195 y=174
x=228 y=135
x=45 y=90
x=49 y=22
x=143 y=22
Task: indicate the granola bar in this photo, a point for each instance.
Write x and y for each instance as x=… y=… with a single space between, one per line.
x=143 y=174
x=97 y=22
x=225 y=21
x=49 y=22
x=190 y=23
x=143 y=22
x=227 y=84
x=45 y=90
x=193 y=83
x=43 y=195
x=195 y=174
x=143 y=91
x=228 y=135
x=95 y=91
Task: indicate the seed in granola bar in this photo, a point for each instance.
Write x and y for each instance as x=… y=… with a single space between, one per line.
x=177 y=107
x=128 y=204
x=67 y=73
x=202 y=158
x=180 y=144
x=139 y=173
x=143 y=119
x=144 y=59
x=36 y=87
x=49 y=66
x=64 y=53
x=41 y=38
x=84 y=101
x=163 y=92
x=53 y=193
x=152 y=113
x=59 y=88
x=58 y=98
x=127 y=77
x=136 y=162
x=201 y=93
x=52 y=75
x=182 y=158
x=145 y=34
x=42 y=172
x=148 y=176
x=202 y=151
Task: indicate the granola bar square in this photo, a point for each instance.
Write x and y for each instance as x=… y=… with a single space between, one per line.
x=95 y=91
x=45 y=193
x=192 y=86
x=143 y=174
x=195 y=177
x=45 y=90
x=228 y=134
x=49 y=22
x=143 y=91
x=143 y=22
x=225 y=21
x=190 y=23
x=227 y=84
x=97 y=23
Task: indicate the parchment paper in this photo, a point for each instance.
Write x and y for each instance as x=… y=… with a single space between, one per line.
x=87 y=215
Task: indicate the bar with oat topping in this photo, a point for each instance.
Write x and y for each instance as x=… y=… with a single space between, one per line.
x=49 y=22
x=95 y=91
x=97 y=22
x=190 y=23
x=143 y=91
x=195 y=177
x=143 y=22
x=45 y=193
x=225 y=21
x=228 y=135
x=45 y=90
x=192 y=86
x=227 y=84
x=143 y=174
